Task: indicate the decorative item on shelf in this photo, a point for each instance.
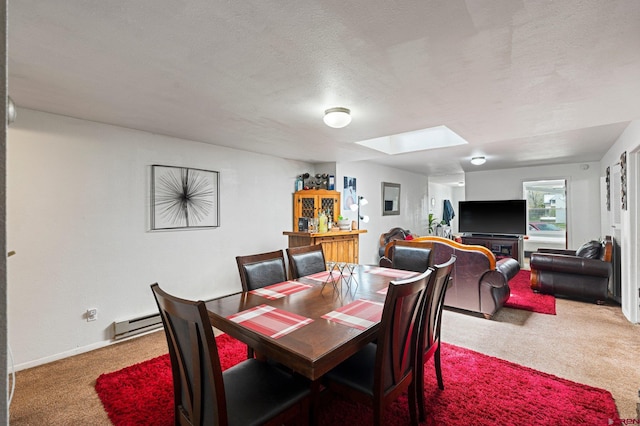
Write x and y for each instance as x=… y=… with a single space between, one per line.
x=322 y=223
x=344 y=224
x=303 y=224
x=322 y=181
x=356 y=207
x=300 y=182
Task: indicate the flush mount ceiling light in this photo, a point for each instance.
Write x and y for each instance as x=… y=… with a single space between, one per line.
x=477 y=161
x=337 y=117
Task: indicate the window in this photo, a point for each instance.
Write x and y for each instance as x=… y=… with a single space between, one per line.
x=546 y=214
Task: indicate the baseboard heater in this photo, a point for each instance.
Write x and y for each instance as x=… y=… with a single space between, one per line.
x=135 y=326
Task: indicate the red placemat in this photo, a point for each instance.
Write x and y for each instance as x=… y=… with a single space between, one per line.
x=276 y=291
x=270 y=321
x=360 y=314
x=392 y=273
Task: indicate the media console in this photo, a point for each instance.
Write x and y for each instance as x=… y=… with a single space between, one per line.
x=500 y=245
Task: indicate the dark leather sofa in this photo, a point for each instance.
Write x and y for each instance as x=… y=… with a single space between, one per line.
x=581 y=274
x=394 y=234
x=479 y=283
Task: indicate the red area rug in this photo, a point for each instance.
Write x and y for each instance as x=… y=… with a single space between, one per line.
x=479 y=390
x=522 y=297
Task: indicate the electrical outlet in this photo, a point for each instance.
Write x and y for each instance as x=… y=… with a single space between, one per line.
x=92 y=314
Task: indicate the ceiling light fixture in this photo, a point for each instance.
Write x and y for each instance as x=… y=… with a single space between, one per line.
x=477 y=161
x=337 y=117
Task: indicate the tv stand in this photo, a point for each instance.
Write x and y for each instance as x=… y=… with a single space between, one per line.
x=500 y=245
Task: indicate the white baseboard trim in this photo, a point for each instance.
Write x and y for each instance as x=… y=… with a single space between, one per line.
x=77 y=351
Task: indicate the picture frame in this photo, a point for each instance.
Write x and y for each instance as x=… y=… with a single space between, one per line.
x=623 y=180
x=391 y=199
x=608 y=194
x=184 y=198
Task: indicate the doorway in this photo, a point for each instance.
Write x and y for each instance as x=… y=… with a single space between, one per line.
x=546 y=215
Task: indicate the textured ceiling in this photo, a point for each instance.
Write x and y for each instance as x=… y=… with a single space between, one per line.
x=525 y=82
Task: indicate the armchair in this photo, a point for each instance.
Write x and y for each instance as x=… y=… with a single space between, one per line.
x=394 y=234
x=581 y=274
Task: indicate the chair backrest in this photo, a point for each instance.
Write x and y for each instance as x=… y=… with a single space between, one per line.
x=305 y=260
x=260 y=270
x=414 y=259
x=199 y=396
x=397 y=338
x=433 y=304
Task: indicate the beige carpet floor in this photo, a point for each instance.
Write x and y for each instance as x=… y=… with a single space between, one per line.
x=586 y=343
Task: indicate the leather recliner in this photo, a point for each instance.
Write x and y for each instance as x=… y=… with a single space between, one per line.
x=394 y=234
x=581 y=274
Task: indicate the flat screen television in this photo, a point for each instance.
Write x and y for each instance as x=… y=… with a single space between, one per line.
x=499 y=217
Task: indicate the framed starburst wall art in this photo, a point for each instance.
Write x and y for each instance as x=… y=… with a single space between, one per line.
x=183 y=198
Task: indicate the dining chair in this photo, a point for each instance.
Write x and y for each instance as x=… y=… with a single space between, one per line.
x=381 y=371
x=250 y=393
x=306 y=260
x=431 y=317
x=261 y=270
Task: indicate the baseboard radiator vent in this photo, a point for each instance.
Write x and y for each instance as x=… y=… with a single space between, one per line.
x=136 y=326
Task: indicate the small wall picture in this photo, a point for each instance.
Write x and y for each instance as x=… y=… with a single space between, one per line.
x=349 y=194
x=623 y=180
x=608 y=180
x=183 y=198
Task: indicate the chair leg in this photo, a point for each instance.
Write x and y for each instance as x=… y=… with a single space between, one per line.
x=419 y=391
x=413 y=393
x=249 y=352
x=436 y=360
x=378 y=413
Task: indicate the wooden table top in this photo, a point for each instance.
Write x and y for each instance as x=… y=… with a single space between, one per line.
x=315 y=348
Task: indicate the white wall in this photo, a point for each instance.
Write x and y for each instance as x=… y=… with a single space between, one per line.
x=629 y=141
x=78 y=218
x=583 y=193
x=413 y=202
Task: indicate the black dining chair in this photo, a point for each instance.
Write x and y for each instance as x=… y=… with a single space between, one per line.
x=429 y=341
x=250 y=393
x=261 y=270
x=306 y=260
x=407 y=255
x=378 y=373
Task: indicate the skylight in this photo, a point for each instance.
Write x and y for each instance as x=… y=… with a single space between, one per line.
x=419 y=140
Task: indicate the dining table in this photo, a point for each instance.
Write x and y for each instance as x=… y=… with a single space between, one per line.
x=310 y=324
